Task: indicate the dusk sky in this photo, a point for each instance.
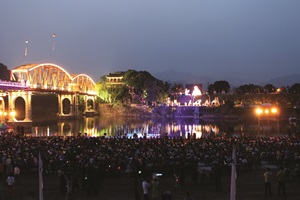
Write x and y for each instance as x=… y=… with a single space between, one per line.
x=250 y=39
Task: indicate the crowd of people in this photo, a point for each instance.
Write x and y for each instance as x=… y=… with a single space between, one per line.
x=80 y=160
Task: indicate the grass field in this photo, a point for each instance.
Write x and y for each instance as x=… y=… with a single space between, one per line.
x=250 y=186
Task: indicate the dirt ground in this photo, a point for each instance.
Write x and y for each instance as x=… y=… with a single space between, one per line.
x=249 y=186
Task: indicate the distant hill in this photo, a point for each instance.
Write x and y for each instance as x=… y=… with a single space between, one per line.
x=174 y=76
x=285 y=80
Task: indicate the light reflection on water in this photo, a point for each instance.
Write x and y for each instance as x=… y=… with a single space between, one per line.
x=128 y=127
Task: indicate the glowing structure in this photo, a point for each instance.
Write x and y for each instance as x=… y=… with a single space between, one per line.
x=196 y=91
x=266 y=112
x=50 y=78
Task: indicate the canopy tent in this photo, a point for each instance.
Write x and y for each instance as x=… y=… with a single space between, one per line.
x=4 y=126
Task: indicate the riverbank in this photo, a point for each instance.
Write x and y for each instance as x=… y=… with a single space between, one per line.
x=126 y=111
x=200 y=112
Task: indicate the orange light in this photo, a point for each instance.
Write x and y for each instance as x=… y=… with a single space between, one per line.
x=274 y=110
x=12 y=113
x=259 y=111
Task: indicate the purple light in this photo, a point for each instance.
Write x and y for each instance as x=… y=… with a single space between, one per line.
x=13 y=84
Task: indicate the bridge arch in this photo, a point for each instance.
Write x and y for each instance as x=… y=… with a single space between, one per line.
x=83 y=83
x=66 y=105
x=49 y=76
x=20 y=106
x=19 y=103
x=42 y=76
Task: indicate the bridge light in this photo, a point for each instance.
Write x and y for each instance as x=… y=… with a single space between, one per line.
x=12 y=113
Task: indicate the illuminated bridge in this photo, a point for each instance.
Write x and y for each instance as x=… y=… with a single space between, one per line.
x=29 y=79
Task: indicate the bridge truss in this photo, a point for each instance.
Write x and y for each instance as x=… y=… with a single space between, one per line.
x=51 y=77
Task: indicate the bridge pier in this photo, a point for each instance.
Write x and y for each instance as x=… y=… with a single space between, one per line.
x=68 y=105
x=90 y=105
x=90 y=126
x=72 y=100
x=26 y=114
x=70 y=129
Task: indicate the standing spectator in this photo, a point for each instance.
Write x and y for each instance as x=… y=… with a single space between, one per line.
x=203 y=176
x=281 y=181
x=1 y=171
x=188 y=196
x=17 y=172
x=10 y=183
x=217 y=176
x=145 y=186
x=182 y=176
x=268 y=177
x=296 y=176
x=9 y=168
x=155 y=188
x=194 y=173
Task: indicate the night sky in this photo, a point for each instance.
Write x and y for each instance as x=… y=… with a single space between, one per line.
x=250 y=39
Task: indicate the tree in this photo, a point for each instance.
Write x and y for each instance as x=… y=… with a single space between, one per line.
x=294 y=89
x=103 y=92
x=249 y=89
x=151 y=91
x=119 y=94
x=218 y=87
x=177 y=88
x=4 y=73
x=138 y=86
x=269 y=88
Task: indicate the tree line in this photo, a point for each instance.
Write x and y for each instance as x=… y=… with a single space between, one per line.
x=140 y=87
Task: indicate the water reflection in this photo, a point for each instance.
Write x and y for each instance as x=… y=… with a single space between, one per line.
x=128 y=127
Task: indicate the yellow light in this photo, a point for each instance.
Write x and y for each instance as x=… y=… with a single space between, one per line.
x=258 y=111
x=274 y=110
x=266 y=111
x=1 y=113
x=12 y=113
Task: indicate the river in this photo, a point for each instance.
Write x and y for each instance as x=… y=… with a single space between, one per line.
x=182 y=127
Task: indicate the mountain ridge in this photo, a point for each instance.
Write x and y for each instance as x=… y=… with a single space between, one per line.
x=174 y=76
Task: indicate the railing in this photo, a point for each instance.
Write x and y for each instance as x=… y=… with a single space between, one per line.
x=13 y=84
